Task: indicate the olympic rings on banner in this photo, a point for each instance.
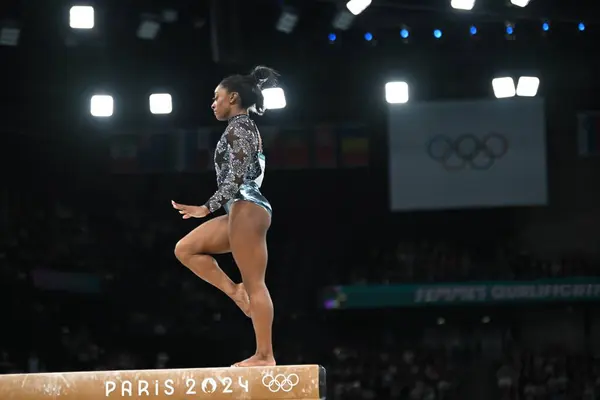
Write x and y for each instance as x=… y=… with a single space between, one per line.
x=467 y=150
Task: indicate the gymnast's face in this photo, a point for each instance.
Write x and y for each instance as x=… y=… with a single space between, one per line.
x=223 y=103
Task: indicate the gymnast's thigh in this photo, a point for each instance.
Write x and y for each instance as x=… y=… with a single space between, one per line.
x=212 y=237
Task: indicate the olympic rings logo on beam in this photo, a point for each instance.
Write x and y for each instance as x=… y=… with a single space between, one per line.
x=280 y=382
x=467 y=150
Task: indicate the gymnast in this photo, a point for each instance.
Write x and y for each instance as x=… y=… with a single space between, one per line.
x=240 y=168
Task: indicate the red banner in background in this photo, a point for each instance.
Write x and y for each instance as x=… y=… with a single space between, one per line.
x=354 y=147
x=294 y=143
x=196 y=149
x=143 y=153
x=124 y=150
x=158 y=152
x=325 y=147
x=271 y=140
x=192 y=150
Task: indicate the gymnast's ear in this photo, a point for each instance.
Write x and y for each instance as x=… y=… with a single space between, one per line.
x=234 y=97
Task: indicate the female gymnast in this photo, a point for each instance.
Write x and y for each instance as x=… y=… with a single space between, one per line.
x=240 y=168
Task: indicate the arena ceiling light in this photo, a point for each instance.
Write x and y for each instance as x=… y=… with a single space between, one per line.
x=149 y=27
x=287 y=21
x=504 y=87
x=528 y=86
x=170 y=16
x=396 y=92
x=9 y=36
x=463 y=4
x=357 y=6
x=274 y=98
x=102 y=106
x=161 y=103
x=81 y=17
x=519 y=3
x=342 y=20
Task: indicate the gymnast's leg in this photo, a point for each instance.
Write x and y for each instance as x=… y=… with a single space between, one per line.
x=248 y=228
x=212 y=237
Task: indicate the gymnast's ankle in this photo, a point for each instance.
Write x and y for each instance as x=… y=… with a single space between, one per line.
x=264 y=355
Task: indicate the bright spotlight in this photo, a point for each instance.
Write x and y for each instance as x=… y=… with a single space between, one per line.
x=81 y=17
x=357 y=6
x=396 y=92
x=102 y=106
x=504 y=87
x=404 y=33
x=462 y=4
x=519 y=3
x=528 y=86
x=161 y=103
x=437 y=34
x=274 y=98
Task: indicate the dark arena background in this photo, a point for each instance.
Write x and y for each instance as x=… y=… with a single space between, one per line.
x=442 y=244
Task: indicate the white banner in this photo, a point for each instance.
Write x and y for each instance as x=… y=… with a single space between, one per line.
x=460 y=154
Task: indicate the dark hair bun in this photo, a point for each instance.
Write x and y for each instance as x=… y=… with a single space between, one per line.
x=249 y=87
x=264 y=77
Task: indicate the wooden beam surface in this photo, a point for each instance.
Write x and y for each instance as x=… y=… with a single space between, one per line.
x=286 y=382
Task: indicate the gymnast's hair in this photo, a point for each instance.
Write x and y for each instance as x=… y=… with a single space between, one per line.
x=249 y=87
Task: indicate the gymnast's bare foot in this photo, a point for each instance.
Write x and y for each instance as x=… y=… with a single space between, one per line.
x=241 y=299
x=257 y=360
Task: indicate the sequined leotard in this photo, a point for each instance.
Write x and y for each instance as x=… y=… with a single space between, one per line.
x=240 y=166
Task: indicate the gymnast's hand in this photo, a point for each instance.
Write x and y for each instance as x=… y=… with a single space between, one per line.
x=191 y=211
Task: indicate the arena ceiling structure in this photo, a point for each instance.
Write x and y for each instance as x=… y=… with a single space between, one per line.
x=330 y=68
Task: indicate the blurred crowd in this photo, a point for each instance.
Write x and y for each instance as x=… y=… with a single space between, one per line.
x=446 y=261
x=552 y=374
x=125 y=303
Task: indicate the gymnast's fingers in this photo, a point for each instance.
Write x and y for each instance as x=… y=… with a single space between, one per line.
x=177 y=206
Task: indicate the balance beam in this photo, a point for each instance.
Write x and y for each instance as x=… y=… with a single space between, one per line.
x=286 y=382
